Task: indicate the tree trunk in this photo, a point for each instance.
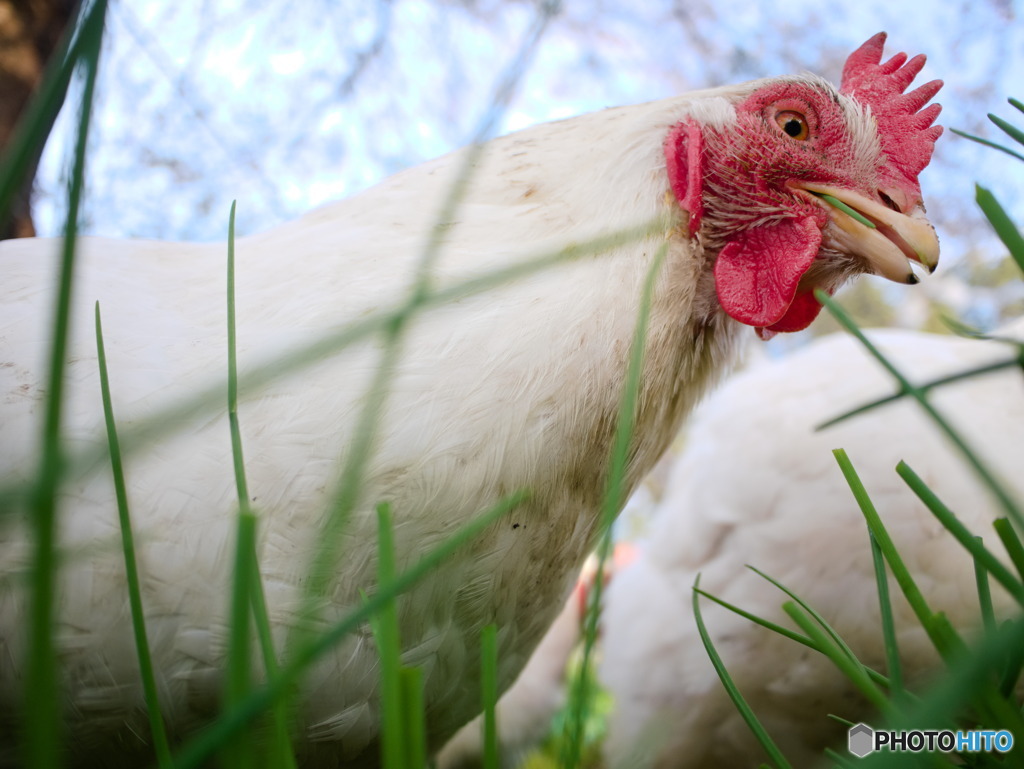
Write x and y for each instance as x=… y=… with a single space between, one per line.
x=30 y=31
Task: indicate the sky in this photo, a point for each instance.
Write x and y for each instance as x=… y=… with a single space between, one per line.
x=287 y=106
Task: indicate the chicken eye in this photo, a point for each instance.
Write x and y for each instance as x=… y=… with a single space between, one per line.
x=793 y=124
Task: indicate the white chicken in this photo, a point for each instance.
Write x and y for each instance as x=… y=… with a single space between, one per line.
x=515 y=387
x=757 y=485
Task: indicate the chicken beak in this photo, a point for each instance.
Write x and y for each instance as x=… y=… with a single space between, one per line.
x=886 y=239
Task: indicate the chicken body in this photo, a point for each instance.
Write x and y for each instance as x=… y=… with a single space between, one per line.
x=512 y=388
x=771 y=495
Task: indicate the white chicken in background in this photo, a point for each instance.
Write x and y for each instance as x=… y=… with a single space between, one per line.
x=757 y=485
x=513 y=388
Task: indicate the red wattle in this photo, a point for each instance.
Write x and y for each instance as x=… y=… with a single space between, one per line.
x=757 y=274
x=800 y=315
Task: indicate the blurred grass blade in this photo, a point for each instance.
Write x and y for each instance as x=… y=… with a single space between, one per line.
x=415 y=736
x=953 y=525
x=990 y=703
x=987 y=143
x=988 y=368
x=208 y=400
x=282 y=754
x=1001 y=223
x=1010 y=678
x=988 y=612
x=489 y=692
x=1016 y=104
x=944 y=701
x=843 y=762
x=203 y=744
x=1011 y=542
x=361 y=447
x=1008 y=128
x=389 y=645
x=238 y=677
x=894 y=667
x=744 y=709
x=613 y=500
x=156 y=721
x=42 y=718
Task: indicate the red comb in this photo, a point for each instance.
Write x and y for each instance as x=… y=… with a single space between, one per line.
x=907 y=134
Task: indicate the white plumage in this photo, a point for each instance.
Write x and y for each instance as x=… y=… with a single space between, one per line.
x=512 y=389
x=757 y=485
x=516 y=387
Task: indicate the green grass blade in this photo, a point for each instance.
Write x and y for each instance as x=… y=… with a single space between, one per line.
x=1011 y=542
x=613 y=500
x=1008 y=128
x=1010 y=677
x=238 y=675
x=941 y=632
x=968 y=680
x=835 y=639
x=988 y=143
x=1001 y=223
x=389 y=644
x=281 y=752
x=792 y=635
x=840 y=720
x=1005 y=499
x=204 y=744
x=843 y=762
x=236 y=435
x=839 y=655
x=156 y=721
x=489 y=691
x=41 y=714
x=851 y=212
x=988 y=368
x=414 y=714
x=767 y=624
x=894 y=666
x=1016 y=104
x=988 y=612
x=733 y=691
x=953 y=525
x=911 y=591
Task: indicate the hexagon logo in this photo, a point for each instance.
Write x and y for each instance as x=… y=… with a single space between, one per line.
x=861 y=740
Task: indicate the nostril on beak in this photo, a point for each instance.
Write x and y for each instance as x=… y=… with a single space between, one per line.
x=889 y=202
